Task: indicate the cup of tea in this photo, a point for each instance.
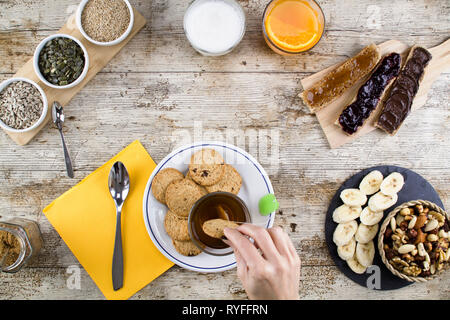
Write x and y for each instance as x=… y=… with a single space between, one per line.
x=215 y=205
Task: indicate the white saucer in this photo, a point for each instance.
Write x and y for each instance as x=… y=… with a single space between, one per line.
x=255 y=184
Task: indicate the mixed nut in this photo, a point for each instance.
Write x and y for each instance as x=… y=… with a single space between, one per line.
x=416 y=241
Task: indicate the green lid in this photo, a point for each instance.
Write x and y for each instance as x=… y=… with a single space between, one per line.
x=268 y=204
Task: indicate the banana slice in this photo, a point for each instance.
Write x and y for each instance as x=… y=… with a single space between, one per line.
x=364 y=234
x=392 y=184
x=356 y=266
x=365 y=253
x=353 y=197
x=347 y=251
x=380 y=202
x=369 y=217
x=345 y=213
x=344 y=232
x=371 y=182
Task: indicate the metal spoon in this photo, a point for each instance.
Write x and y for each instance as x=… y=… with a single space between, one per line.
x=58 y=119
x=119 y=185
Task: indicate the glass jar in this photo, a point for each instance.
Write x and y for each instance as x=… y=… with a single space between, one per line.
x=20 y=240
x=214 y=27
x=291 y=27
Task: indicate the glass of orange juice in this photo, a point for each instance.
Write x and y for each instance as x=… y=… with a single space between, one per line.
x=292 y=26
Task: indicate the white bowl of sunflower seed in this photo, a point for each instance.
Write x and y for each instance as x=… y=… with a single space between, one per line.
x=61 y=61
x=23 y=105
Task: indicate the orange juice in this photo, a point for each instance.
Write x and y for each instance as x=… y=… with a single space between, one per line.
x=292 y=26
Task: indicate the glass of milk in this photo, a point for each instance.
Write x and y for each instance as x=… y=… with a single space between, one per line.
x=214 y=27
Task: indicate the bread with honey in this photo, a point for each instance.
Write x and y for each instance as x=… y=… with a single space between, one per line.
x=340 y=79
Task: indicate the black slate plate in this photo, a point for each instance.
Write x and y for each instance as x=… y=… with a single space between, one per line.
x=415 y=188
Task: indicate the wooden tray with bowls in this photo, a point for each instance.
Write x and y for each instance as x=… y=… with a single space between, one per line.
x=328 y=115
x=99 y=56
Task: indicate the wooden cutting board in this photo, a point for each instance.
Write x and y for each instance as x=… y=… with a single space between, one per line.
x=99 y=56
x=328 y=115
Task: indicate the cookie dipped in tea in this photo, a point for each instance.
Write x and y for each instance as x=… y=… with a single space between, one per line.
x=224 y=207
x=214 y=227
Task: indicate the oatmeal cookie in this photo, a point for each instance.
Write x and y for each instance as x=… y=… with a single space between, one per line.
x=206 y=167
x=176 y=226
x=186 y=248
x=181 y=196
x=231 y=181
x=161 y=180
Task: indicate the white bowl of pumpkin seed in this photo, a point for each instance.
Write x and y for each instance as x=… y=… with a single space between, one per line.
x=61 y=61
x=23 y=105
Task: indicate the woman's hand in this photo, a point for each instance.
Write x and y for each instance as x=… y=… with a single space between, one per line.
x=273 y=272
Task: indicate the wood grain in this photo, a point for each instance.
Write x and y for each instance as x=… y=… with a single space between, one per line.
x=159 y=90
x=99 y=56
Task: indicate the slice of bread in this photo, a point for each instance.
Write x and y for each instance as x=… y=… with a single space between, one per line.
x=340 y=79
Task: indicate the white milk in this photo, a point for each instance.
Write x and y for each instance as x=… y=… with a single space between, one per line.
x=214 y=27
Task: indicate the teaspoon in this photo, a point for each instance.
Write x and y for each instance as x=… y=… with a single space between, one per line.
x=119 y=186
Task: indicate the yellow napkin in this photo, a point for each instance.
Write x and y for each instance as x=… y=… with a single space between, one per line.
x=85 y=218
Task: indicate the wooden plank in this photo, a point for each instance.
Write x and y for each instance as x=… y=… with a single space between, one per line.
x=99 y=56
x=161 y=46
x=114 y=109
x=327 y=116
x=167 y=14
x=315 y=283
x=302 y=211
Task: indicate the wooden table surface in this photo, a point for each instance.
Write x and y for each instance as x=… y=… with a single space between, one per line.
x=160 y=91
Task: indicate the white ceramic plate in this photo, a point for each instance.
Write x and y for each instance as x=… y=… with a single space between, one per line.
x=255 y=184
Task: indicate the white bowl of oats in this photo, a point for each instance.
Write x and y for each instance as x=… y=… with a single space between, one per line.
x=105 y=22
x=23 y=105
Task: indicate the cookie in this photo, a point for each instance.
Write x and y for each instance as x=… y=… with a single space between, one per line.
x=176 y=227
x=214 y=227
x=188 y=177
x=206 y=167
x=231 y=181
x=181 y=196
x=162 y=180
x=186 y=248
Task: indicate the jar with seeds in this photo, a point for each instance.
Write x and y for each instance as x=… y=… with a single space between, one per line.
x=20 y=241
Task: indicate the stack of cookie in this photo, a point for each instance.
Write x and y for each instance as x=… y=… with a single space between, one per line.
x=207 y=173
